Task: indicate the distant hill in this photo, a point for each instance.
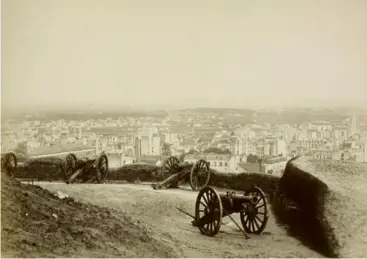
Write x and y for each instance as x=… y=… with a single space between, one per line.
x=75 y=115
x=221 y=110
x=299 y=116
x=280 y=116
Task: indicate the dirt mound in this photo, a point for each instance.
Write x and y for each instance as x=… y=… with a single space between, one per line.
x=332 y=208
x=35 y=223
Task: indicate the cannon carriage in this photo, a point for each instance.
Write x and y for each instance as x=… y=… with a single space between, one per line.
x=87 y=170
x=173 y=172
x=9 y=163
x=74 y=169
x=211 y=206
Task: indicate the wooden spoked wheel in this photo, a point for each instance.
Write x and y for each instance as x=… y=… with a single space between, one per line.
x=208 y=211
x=255 y=216
x=102 y=168
x=9 y=163
x=200 y=174
x=70 y=165
x=170 y=165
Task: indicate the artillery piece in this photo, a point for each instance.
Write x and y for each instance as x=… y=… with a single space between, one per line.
x=84 y=168
x=173 y=172
x=212 y=206
x=9 y=163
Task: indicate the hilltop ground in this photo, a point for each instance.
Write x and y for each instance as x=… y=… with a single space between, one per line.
x=141 y=222
x=156 y=209
x=35 y=223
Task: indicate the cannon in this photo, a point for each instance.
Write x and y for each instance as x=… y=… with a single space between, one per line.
x=211 y=206
x=9 y=163
x=173 y=172
x=83 y=170
x=88 y=170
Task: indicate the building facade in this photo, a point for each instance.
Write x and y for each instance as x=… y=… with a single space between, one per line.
x=144 y=146
x=156 y=145
x=224 y=163
x=275 y=165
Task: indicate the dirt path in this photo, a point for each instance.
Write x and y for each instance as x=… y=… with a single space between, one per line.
x=156 y=210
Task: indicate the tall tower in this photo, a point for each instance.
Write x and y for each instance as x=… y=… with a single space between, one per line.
x=137 y=147
x=354 y=126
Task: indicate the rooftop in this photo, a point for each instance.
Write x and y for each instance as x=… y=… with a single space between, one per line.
x=274 y=160
x=111 y=130
x=208 y=156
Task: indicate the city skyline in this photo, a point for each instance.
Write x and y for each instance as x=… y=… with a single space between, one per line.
x=80 y=54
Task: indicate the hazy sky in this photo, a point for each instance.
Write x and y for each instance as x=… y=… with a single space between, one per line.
x=227 y=53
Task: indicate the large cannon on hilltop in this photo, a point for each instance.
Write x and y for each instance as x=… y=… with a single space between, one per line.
x=84 y=170
x=211 y=206
x=9 y=163
x=173 y=172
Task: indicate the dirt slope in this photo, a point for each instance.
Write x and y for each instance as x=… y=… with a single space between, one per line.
x=156 y=210
x=35 y=223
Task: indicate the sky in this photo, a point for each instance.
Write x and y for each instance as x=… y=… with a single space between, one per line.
x=111 y=53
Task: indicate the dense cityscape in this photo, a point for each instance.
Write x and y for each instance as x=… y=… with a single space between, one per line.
x=232 y=141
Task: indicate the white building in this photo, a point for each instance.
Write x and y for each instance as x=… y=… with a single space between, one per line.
x=290 y=134
x=145 y=146
x=320 y=126
x=339 y=134
x=280 y=147
x=354 y=126
x=171 y=138
x=365 y=152
x=244 y=146
x=219 y=162
x=275 y=166
x=33 y=144
x=8 y=142
x=156 y=145
x=118 y=160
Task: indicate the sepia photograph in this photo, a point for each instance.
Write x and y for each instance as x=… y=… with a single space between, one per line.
x=183 y=129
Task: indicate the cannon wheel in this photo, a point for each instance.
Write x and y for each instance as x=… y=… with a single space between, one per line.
x=200 y=175
x=70 y=164
x=208 y=201
x=10 y=163
x=169 y=165
x=102 y=168
x=255 y=218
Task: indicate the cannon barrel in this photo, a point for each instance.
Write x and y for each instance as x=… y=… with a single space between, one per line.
x=234 y=203
x=238 y=197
